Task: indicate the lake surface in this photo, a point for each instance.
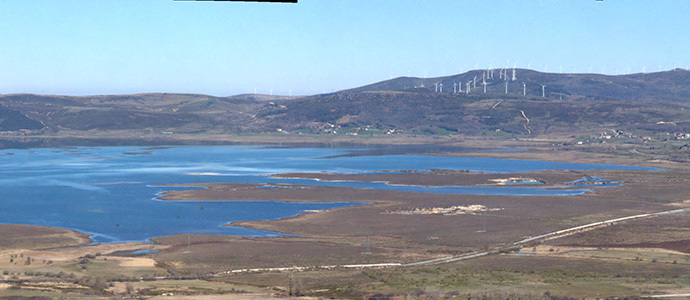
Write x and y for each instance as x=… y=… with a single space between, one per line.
x=111 y=192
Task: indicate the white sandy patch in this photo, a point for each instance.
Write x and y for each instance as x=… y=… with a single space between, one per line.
x=446 y=211
x=504 y=181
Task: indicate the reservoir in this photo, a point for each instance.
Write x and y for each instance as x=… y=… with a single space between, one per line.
x=111 y=192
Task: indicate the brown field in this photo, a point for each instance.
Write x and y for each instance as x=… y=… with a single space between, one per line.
x=443 y=177
x=34 y=237
x=670 y=232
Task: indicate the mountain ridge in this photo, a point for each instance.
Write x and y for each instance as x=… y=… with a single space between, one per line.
x=573 y=104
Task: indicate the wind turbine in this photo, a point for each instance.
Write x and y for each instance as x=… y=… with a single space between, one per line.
x=543 y=91
x=491 y=70
x=524 y=89
x=455 y=87
x=484 y=83
x=468 y=86
x=545 y=68
x=529 y=65
x=514 y=66
x=561 y=69
x=474 y=85
x=441 y=85
x=436 y=87
x=506 y=87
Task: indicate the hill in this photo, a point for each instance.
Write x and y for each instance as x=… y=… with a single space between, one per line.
x=146 y=112
x=11 y=120
x=573 y=105
x=671 y=86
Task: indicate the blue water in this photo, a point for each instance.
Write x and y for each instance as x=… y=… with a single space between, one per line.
x=110 y=192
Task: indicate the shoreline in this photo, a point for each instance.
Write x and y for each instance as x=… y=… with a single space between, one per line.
x=398 y=227
x=434 y=178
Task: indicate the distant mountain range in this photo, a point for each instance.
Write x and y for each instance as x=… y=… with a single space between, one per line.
x=572 y=104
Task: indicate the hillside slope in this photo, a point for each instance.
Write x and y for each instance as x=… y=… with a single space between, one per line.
x=573 y=104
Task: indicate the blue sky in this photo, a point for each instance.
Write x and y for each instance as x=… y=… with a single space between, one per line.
x=72 y=47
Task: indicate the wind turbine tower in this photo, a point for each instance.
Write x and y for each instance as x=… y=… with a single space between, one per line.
x=468 y=87
x=436 y=87
x=514 y=66
x=506 y=87
x=543 y=91
x=474 y=85
x=455 y=87
x=441 y=87
x=524 y=89
x=484 y=83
